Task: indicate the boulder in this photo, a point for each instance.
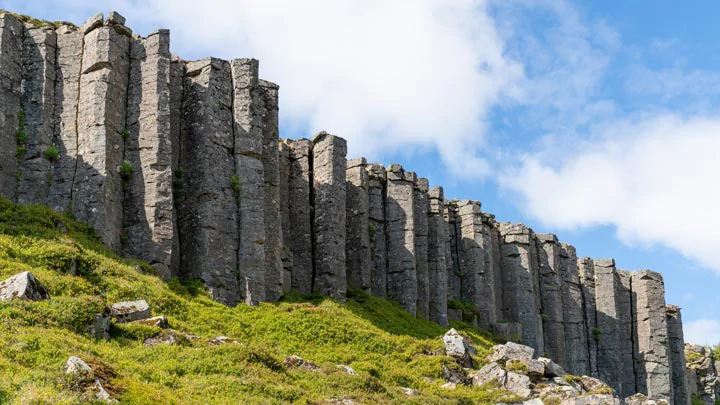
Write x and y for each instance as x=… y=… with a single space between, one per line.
x=552 y=369
x=409 y=392
x=221 y=340
x=490 y=373
x=459 y=348
x=595 y=399
x=518 y=384
x=159 y=321
x=300 y=363
x=128 y=311
x=23 y=286
x=346 y=369
x=75 y=365
x=449 y=386
x=165 y=338
x=594 y=386
x=534 y=401
x=101 y=394
x=502 y=353
x=454 y=373
x=640 y=399
x=100 y=328
x=531 y=367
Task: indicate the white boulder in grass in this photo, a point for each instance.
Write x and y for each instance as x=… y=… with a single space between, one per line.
x=128 y=311
x=23 y=286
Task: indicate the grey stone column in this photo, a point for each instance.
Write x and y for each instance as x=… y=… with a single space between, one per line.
x=299 y=197
x=65 y=137
x=376 y=226
x=452 y=260
x=627 y=372
x=493 y=271
x=607 y=292
x=400 y=230
x=11 y=32
x=273 y=227
x=208 y=217
x=576 y=334
x=38 y=106
x=249 y=175
x=551 y=282
x=520 y=282
x=652 y=352
x=420 y=215
x=437 y=265
x=177 y=74
x=477 y=280
x=329 y=222
x=97 y=187
x=285 y=253
x=681 y=395
x=586 y=269
x=357 y=248
x=149 y=216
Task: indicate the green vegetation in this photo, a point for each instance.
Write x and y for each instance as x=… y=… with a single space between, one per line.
x=235 y=187
x=179 y=192
x=516 y=366
x=36 y=23
x=469 y=312
x=52 y=154
x=124 y=134
x=126 y=171
x=22 y=138
x=692 y=357
x=597 y=333
x=387 y=347
x=695 y=400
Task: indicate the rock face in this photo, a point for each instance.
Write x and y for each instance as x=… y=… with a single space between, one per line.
x=23 y=286
x=702 y=374
x=180 y=163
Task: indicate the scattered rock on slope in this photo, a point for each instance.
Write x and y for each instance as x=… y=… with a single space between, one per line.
x=128 y=311
x=459 y=348
x=23 y=286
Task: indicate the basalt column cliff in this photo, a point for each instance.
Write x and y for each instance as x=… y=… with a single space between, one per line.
x=180 y=163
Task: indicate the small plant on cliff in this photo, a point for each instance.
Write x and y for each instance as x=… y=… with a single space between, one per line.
x=124 y=134
x=235 y=187
x=22 y=137
x=126 y=170
x=52 y=154
x=179 y=192
x=544 y=317
x=596 y=334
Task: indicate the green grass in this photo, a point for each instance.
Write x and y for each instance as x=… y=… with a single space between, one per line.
x=386 y=347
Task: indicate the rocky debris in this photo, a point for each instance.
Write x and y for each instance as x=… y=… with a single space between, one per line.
x=158 y=321
x=409 y=392
x=551 y=368
x=300 y=363
x=346 y=369
x=76 y=365
x=128 y=311
x=592 y=399
x=169 y=339
x=342 y=401
x=518 y=384
x=508 y=351
x=100 y=329
x=491 y=373
x=454 y=373
x=101 y=394
x=640 y=399
x=459 y=348
x=222 y=340
x=534 y=369
x=449 y=386
x=23 y=286
x=702 y=374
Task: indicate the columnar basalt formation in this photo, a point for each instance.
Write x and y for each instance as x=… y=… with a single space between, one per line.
x=180 y=163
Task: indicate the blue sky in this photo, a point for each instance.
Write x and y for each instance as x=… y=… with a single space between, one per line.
x=597 y=121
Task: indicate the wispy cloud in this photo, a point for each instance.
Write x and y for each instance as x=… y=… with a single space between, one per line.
x=702 y=332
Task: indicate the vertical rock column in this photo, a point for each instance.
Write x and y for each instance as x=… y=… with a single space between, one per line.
x=400 y=230
x=677 y=355
x=652 y=351
x=299 y=192
x=607 y=292
x=586 y=270
x=357 y=249
x=491 y=247
x=576 y=334
x=476 y=278
x=11 y=32
x=627 y=373
x=98 y=187
x=207 y=219
x=329 y=202
x=38 y=112
x=551 y=297
x=376 y=228
x=177 y=74
x=437 y=266
x=149 y=219
x=67 y=91
x=519 y=276
x=420 y=216
x=452 y=261
x=273 y=226
x=285 y=253
x=248 y=190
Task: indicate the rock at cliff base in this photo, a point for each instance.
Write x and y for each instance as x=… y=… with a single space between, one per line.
x=509 y=351
x=23 y=286
x=592 y=400
x=128 y=311
x=347 y=369
x=491 y=373
x=410 y=392
x=221 y=340
x=552 y=369
x=77 y=366
x=101 y=394
x=454 y=373
x=300 y=363
x=531 y=367
x=459 y=348
x=158 y=321
x=518 y=384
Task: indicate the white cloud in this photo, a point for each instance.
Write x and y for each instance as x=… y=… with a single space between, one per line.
x=702 y=332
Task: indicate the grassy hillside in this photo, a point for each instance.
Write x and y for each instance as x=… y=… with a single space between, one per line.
x=386 y=347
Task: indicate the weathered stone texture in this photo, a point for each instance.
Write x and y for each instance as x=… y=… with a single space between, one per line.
x=149 y=216
x=627 y=372
x=652 y=352
x=249 y=189
x=299 y=197
x=400 y=229
x=576 y=333
x=357 y=247
x=97 y=187
x=551 y=282
x=11 y=32
x=586 y=270
x=520 y=278
x=271 y=169
x=452 y=260
x=38 y=112
x=177 y=74
x=420 y=215
x=493 y=260
x=329 y=232
x=208 y=217
x=702 y=373
x=676 y=344
x=65 y=138
x=437 y=266
x=285 y=253
x=607 y=291
x=376 y=228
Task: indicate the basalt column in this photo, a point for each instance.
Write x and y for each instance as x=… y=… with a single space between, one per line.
x=420 y=213
x=376 y=228
x=177 y=74
x=329 y=220
x=627 y=373
x=38 y=114
x=677 y=355
x=520 y=283
x=300 y=241
x=476 y=278
x=576 y=334
x=452 y=261
x=285 y=253
x=607 y=291
x=102 y=111
x=491 y=247
x=586 y=270
x=400 y=229
x=357 y=248
x=652 y=352
x=11 y=33
x=437 y=266
x=247 y=182
x=273 y=227
x=551 y=296
x=67 y=90
x=149 y=220
x=207 y=219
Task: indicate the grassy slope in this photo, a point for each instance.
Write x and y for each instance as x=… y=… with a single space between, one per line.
x=381 y=342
